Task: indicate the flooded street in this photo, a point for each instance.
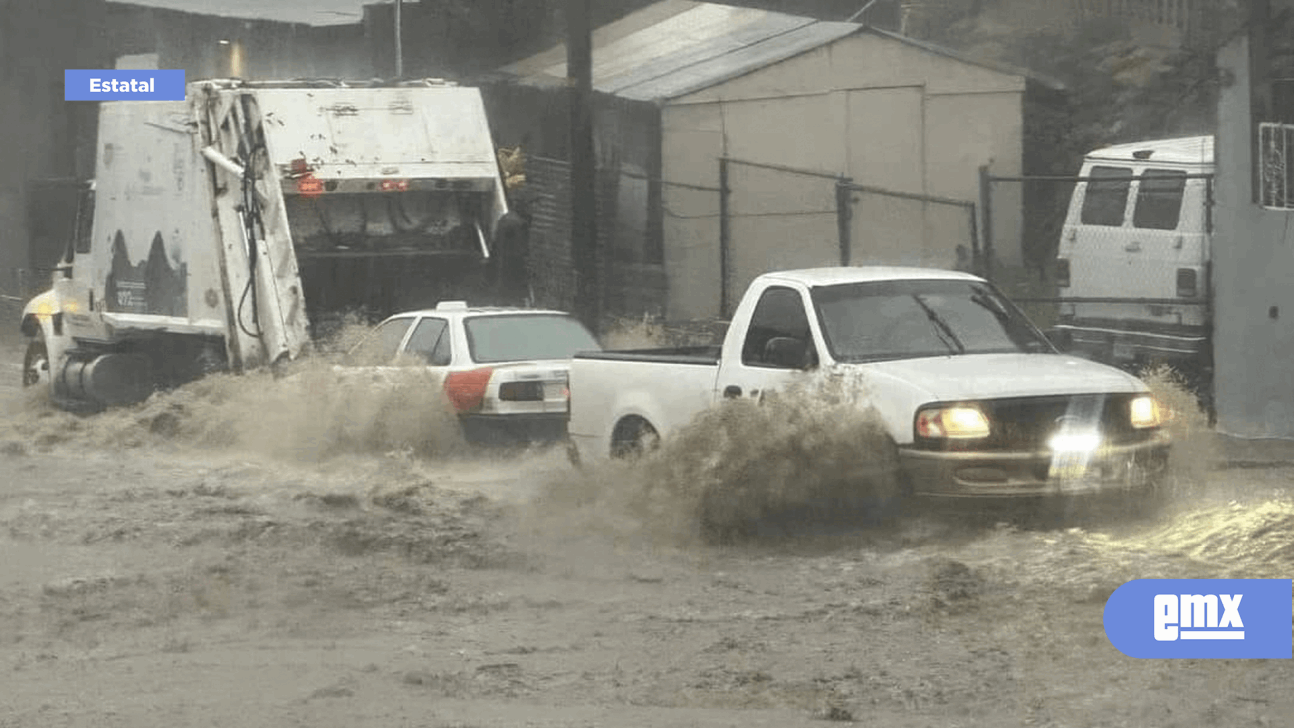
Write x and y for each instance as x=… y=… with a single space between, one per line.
x=163 y=571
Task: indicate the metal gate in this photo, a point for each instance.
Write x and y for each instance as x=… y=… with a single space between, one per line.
x=777 y=217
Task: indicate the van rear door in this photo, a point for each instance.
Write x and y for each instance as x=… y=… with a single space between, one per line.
x=1168 y=243
x=1094 y=238
x=1138 y=232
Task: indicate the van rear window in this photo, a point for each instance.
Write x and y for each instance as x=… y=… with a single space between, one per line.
x=1107 y=196
x=1159 y=200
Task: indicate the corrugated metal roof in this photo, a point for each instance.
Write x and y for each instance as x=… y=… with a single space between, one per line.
x=676 y=47
x=309 y=12
x=698 y=68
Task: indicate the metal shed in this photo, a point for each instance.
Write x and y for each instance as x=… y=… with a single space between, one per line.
x=755 y=118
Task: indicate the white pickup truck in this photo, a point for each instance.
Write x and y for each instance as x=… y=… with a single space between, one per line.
x=977 y=401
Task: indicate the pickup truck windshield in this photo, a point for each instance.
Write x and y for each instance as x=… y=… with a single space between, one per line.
x=526 y=337
x=918 y=318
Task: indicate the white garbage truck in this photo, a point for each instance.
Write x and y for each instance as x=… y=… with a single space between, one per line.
x=221 y=231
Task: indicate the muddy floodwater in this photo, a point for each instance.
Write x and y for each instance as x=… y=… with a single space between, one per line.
x=311 y=552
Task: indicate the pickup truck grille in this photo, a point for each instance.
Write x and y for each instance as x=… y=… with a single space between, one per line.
x=1026 y=423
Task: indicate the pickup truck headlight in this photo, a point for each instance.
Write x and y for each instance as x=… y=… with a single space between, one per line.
x=959 y=423
x=1144 y=412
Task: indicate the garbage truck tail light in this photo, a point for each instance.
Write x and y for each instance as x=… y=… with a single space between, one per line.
x=310 y=186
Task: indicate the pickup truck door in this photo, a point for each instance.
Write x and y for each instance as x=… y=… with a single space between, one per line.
x=777 y=346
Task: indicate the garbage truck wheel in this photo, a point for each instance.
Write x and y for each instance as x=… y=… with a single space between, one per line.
x=35 y=364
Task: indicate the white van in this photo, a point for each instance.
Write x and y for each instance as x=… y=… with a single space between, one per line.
x=1137 y=238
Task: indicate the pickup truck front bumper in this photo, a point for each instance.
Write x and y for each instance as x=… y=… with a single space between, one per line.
x=1124 y=467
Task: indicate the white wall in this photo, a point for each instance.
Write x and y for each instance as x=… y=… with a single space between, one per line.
x=879 y=111
x=1253 y=264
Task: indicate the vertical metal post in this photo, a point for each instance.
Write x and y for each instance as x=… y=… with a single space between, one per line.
x=584 y=223
x=984 y=263
x=399 y=47
x=844 y=214
x=1260 y=88
x=974 y=233
x=1208 y=205
x=724 y=235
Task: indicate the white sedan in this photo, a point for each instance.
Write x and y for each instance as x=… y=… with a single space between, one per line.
x=505 y=370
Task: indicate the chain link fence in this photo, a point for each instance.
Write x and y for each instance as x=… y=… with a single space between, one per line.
x=887 y=227
x=776 y=217
x=772 y=217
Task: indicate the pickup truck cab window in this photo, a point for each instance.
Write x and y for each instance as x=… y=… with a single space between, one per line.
x=907 y=319
x=779 y=315
x=430 y=342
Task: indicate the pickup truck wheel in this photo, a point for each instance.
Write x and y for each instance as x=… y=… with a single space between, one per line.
x=35 y=363
x=633 y=437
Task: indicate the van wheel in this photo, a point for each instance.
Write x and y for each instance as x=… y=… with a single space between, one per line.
x=35 y=363
x=633 y=437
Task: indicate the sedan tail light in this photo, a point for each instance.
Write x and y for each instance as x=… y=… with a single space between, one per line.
x=466 y=390
x=1187 y=286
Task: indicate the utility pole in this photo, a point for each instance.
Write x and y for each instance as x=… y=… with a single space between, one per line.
x=399 y=48
x=584 y=222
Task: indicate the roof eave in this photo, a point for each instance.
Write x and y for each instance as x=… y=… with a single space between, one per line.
x=1044 y=80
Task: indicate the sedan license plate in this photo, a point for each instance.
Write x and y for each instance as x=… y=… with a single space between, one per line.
x=553 y=390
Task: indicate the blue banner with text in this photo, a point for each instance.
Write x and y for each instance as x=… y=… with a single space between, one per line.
x=102 y=85
x=1202 y=618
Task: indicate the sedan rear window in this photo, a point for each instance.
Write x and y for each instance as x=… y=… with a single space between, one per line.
x=526 y=337
x=380 y=347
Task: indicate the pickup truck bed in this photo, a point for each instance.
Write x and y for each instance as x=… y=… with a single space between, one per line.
x=613 y=377
x=696 y=355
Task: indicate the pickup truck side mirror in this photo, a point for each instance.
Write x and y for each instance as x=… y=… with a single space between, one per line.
x=789 y=353
x=1060 y=338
